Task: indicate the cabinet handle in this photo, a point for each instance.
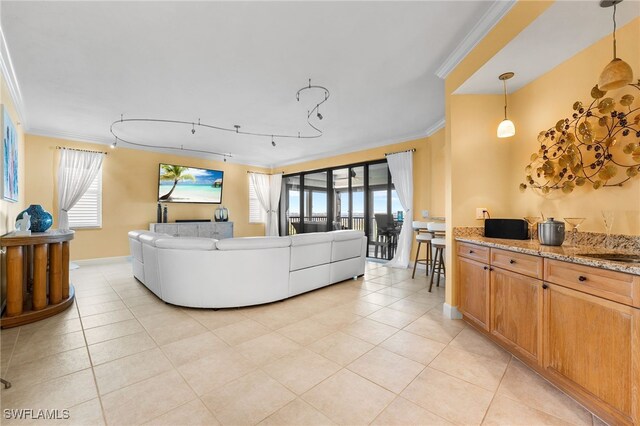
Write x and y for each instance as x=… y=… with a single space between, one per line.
x=470 y=251
x=512 y=261
x=491 y=269
x=544 y=286
x=582 y=278
x=486 y=267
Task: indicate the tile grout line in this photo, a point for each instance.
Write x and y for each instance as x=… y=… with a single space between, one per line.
x=93 y=373
x=496 y=391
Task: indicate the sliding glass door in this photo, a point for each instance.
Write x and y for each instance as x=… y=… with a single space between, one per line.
x=358 y=196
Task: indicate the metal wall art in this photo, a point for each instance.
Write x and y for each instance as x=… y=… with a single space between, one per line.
x=599 y=145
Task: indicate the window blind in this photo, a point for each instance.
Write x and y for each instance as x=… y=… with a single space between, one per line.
x=256 y=212
x=87 y=213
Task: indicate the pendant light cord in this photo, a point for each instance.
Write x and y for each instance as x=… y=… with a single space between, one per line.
x=504 y=85
x=615 y=55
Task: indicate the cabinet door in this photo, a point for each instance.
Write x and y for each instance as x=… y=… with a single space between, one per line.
x=474 y=291
x=516 y=312
x=593 y=345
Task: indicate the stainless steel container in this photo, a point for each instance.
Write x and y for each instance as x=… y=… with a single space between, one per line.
x=551 y=232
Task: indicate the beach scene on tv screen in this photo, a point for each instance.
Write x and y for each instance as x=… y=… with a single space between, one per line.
x=179 y=184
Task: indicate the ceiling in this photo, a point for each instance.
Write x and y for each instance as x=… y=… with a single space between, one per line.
x=80 y=65
x=563 y=30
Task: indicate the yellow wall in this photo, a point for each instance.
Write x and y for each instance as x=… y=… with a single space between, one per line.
x=8 y=210
x=437 y=173
x=485 y=168
x=540 y=104
x=130 y=193
x=460 y=179
x=428 y=189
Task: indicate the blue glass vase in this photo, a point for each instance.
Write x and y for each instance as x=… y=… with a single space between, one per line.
x=41 y=220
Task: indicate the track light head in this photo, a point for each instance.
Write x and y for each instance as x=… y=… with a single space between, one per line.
x=319 y=116
x=193 y=131
x=114 y=144
x=273 y=143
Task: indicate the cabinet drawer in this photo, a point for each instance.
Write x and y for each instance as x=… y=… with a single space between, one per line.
x=473 y=251
x=612 y=285
x=520 y=263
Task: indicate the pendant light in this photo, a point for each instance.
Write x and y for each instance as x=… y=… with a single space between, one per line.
x=617 y=73
x=506 y=128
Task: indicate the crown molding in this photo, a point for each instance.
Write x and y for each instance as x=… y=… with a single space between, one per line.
x=491 y=17
x=76 y=137
x=107 y=141
x=430 y=130
x=6 y=67
x=435 y=127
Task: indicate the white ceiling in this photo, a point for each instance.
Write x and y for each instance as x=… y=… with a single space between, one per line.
x=80 y=65
x=563 y=30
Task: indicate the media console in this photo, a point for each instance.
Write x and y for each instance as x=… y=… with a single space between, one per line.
x=217 y=230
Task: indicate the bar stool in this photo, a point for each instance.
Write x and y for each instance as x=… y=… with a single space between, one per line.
x=422 y=236
x=438 y=245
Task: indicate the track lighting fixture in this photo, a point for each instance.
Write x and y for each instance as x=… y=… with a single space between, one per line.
x=114 y=144
x=318 y=91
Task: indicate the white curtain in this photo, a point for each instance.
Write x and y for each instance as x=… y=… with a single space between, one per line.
x=274 y=196
x=401 y=168
x=76 y=172
x=267 y=189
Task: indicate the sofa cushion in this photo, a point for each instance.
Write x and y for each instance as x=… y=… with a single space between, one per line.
x=186 y=243
x=253 y=243
x=151 y=237
x=310 y=238
x=135 y=234
x=347 y=234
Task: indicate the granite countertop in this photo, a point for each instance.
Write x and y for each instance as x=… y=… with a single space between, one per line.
x=565 y=252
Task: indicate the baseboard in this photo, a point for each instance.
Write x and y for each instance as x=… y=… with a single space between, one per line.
x=102 y=260
x=451 y=312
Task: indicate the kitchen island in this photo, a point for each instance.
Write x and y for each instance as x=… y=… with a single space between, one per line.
x=572 y=318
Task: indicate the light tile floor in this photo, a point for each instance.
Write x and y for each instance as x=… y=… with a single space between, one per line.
x=376 y=350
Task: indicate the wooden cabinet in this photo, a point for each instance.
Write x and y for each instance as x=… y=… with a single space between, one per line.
x=474 y=291
x=592 y=346
x=516 y=312
x=577 y=325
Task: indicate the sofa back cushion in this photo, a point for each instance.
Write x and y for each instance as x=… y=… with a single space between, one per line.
x=346 y=244
x=186 y=243
x=253 y=243
x=151 y=237
x=308 y=250
x=135 y=245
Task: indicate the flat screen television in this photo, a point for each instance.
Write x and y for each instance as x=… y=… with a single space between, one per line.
x=181 y=184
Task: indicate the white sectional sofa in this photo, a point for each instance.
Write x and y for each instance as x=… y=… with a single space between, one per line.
x=209 y=273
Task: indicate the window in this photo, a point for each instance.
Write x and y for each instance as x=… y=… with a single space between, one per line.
x=256 y=212
x=87 y=213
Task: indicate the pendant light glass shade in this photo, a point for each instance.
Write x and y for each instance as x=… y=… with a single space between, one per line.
x=506 y=129
x=615 y=75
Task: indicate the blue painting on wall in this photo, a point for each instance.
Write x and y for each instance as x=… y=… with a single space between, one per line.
x=9 y=158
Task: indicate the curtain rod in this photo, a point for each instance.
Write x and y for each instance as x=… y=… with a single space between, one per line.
x=82 y=150
x=261 y=173
x=406 y=150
